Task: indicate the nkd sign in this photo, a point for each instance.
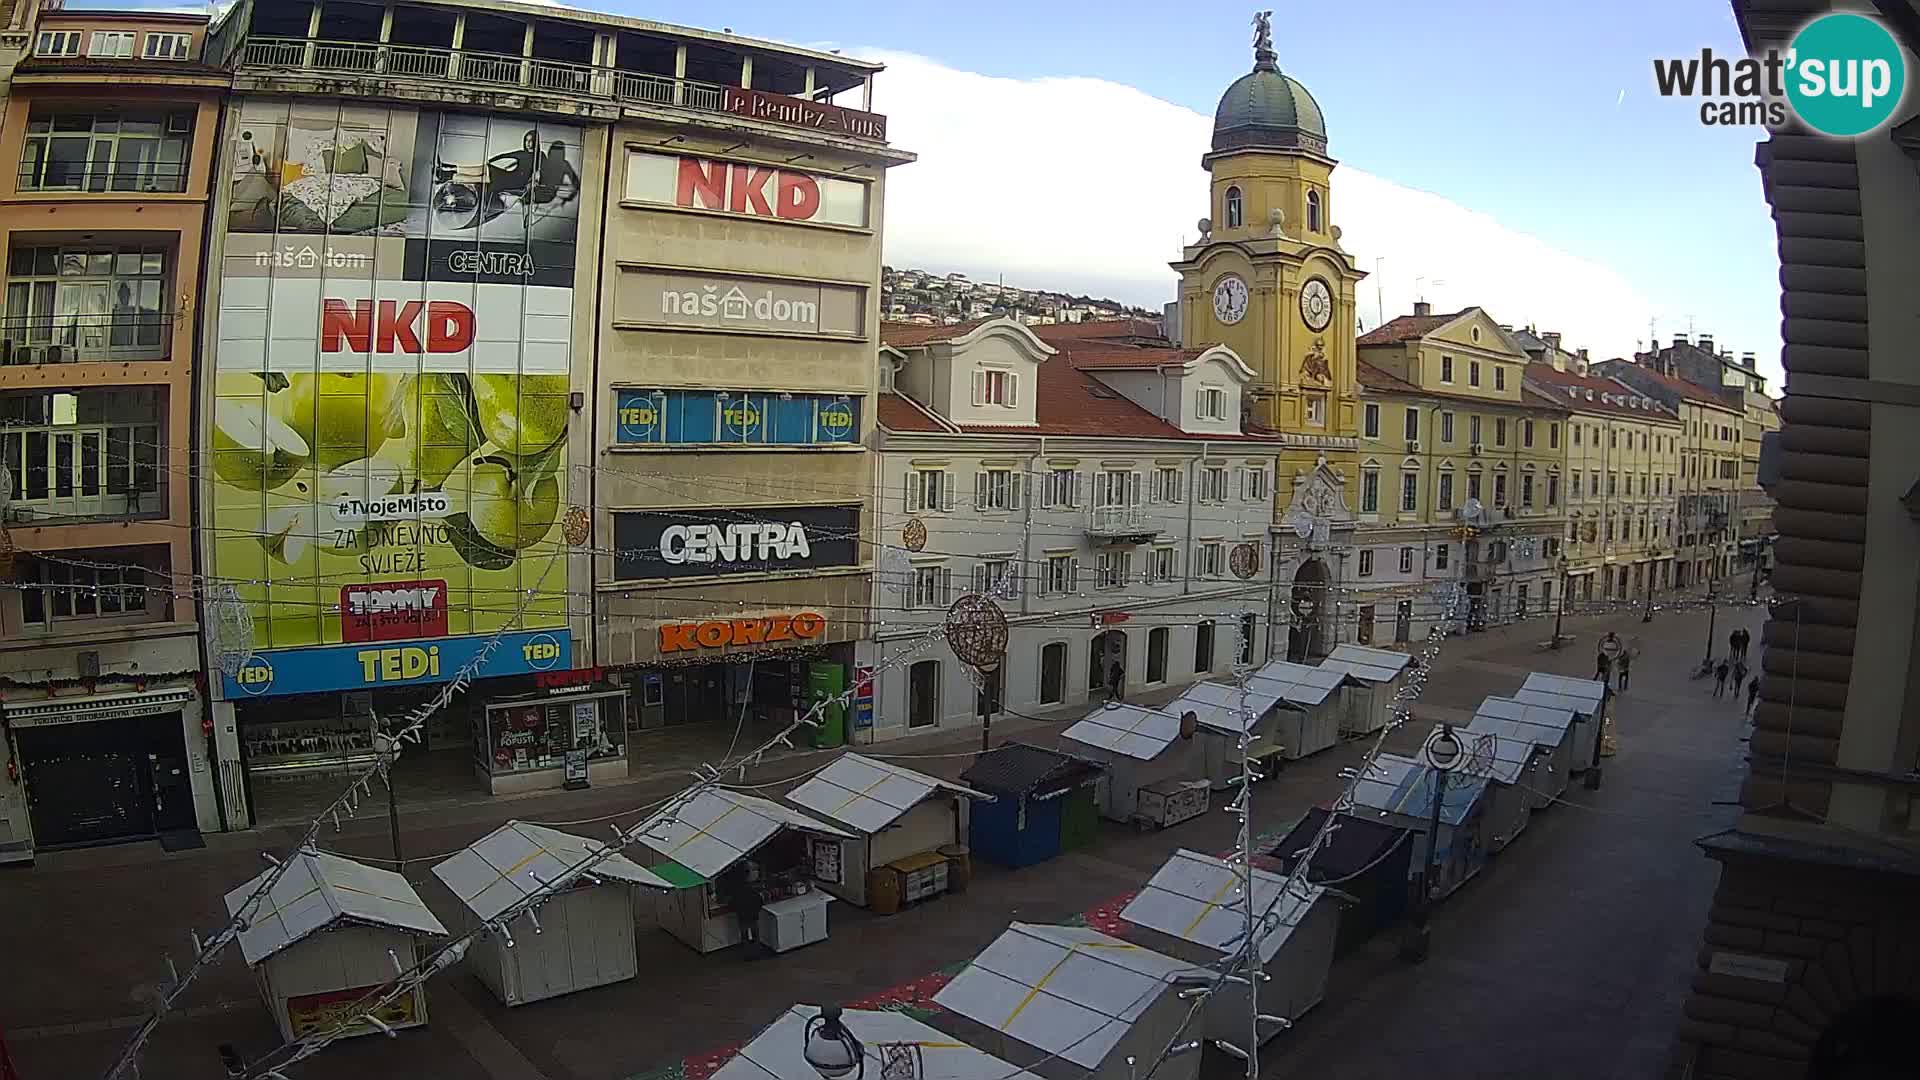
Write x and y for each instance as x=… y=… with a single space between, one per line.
x=708 y=302
x=745 y=188
x=719 y=541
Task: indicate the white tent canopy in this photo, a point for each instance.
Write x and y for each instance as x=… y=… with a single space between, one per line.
x=1064 y=990
x=777 y=1053
x=868 y=795
x=1197 y=898
x=1368 y=664
x=1224 y=708
x=1298 y=683
x=1129 y=730
x=1547 y=725
x=1580 y=695
x=319 y=890
x=512 y=862
x=717 y=828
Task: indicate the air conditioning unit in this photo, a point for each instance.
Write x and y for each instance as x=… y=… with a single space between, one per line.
x=59 y=354
x=6 y=351
x=1476 y=448
x=1413 y=446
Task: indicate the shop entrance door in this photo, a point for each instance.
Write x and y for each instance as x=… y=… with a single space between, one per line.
x=696 y=695
x=93 y=782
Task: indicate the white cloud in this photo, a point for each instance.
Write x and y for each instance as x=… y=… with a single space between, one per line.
x=1088 y=185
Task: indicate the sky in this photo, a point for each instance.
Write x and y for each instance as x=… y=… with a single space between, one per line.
x=1497 y=153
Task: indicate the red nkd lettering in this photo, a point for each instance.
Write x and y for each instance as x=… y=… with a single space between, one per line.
x=391 y=326
x=702 y=185
x=797 y=197
x=748 y=194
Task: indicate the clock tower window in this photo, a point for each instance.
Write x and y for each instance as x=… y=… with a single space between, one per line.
x=1235 y=210
x=1313 y=212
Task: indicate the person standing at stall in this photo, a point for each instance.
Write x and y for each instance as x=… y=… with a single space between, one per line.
x=740 y=894
x=1626 y=670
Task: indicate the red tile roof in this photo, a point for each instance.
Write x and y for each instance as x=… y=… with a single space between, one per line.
x=897 y=413
x=906 y=335
x=1681 y=386
x=1102 y=329
x=1122 y=356
x=1375 y=379
x=1406 y=328
x=1555 y=384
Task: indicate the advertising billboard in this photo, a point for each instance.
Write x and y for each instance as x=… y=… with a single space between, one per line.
x=734 y=418
x=388 y=443
x=701 y=542
x=688 y=301
x=748 y=189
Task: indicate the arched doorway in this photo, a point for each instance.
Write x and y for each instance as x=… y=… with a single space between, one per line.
x=1108 y=649
x=1312 y=599
x=1871 y=1041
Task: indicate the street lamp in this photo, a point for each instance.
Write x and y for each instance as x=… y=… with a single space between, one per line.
x=831 y=1049
x=1653 y=561
x=1442 y=753
x=1560 y=613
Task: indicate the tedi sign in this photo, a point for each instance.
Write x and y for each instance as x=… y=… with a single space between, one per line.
x=1843 y=75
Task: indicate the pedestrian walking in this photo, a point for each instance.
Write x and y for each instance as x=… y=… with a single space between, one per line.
x=1720 y=672
x=1753 y=693
x=1626 y=670
x=1603 y=668
x=1733 y=645
x=1116 y=681
x=1739 y=676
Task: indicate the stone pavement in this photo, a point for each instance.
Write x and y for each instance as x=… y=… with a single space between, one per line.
x=1566 y=959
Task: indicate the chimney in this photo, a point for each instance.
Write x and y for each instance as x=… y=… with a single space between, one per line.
x=1746 y=360
x=1421 y=307
x=1580 y=365
x=1706 y=343
x=1679 y=339
x=1552 y=338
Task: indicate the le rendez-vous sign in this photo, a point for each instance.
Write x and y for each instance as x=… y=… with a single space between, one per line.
x=799 y=112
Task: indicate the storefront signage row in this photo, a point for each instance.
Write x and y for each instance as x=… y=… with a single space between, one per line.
x=734 y=418
x=746 y=189
x=785 y=629
x=394 y=663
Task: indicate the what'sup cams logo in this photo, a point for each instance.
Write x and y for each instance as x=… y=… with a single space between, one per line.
x=1843 y=75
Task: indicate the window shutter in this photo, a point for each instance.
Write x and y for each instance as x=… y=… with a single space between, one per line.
x=1013 y=389
x=980 y=578
x=1133 y=489
x=979 y=387
x=946 y=490
x=980 y=491
x=1016 y=484
x=913 y=490
x=946 y=586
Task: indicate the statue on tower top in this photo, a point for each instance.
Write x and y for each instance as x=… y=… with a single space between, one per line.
x=1264 y=57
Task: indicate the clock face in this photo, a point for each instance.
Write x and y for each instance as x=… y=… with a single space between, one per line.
x=1230 y=299
x=1316 y=304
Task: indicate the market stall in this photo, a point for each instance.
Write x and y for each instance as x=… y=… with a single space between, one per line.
x=1072 y=1003
x=1193 y=909
x=1399 y=791
x=1043 y=804
x=1548 y=728
x=1509 y=767
x=1378 y=677
x=551 y=739
x=1318 y=695
x=579 y=938
x=891 y=1040
x=1224 y=713
x=1155 y=776
x=1585 y=698
x=328 y=934
x=909 y=830
x=783 y=854
x=1370 y=861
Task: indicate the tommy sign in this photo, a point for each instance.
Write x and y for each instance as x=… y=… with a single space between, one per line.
x=704 y=542
x=748 y=189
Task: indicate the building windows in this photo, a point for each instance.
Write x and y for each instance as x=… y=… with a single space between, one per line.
x=57 y=43
x=86 y=303
x=1526 y=490
x=932 y=587
x=1053 y=673
x=1061 y=575
x=1114 y=569
x=1366 y=562
x=1212 y=561
x=1157 y=639
x=1576 y=484
x=1550 y=547
x=105 y=151
x=1446 y=491
x=52 y=592
x=93 y=453
x=1441 y=555
x=1609 y=531
x=1499 y=377
x=1317 y=409
x=923 y=694
x=1369 y=491
x=1213 y=484
x=1166 y=486
x=1499 y=431
x=1162 y=565
x=996 y=386
x=1406 y=560
x=1593 y=483
x=928 y=490
x=1500 y=489
x=1370 y=420
x=1313 y=212
x=1203 y=647
x=1643 y=441
x=111 y=45
x=1060 y=489
x=166 y=46
x=1520 y=600
x=1613 y=439
x=1473 y=430
x=1575 y=429
x=1249 y=630
x=1253 y=484
x=1409 y=492
x=1473 y=373
x=1212 y=404
x=1526 y=434
x=1412 y=424
x=1473 y=483
x=1613 y=484
x=1363 y=629
x=1446 y=369
x=997 y=489
x=1553 y=490
x=1235 y=210
x=995 y=576
x=1446 y=427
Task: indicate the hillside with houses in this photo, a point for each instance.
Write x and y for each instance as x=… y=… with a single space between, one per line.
x=921 y=296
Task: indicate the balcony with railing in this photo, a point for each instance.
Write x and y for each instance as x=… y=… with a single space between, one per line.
x=83 y=338
x=1121 y=523
x=82 y=456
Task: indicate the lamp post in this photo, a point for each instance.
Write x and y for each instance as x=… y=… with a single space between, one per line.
x=1560 y=613
x=1653 y=561
x=830 y=1049
x=1442 y=753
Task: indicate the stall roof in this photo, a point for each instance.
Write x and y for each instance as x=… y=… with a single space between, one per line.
x=1133 y=730
x=778 y=1052
x=1497 y=756
x=1068 y=991
x=717 y=828
x=1398 y=785
x=1020 y=769
x=1366 y=664
x=1356 y=844
x=1298 y=683
x=319 y=890
x=1196 y=898
x=1581 y=695
x=869 y=795
x=1546 y=724
x=513 y=861
x=1218 y=706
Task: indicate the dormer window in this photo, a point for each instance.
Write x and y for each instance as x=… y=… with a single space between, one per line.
x=1213 y=403
x=111 y=45
x=996 y=386
x=1235 y=212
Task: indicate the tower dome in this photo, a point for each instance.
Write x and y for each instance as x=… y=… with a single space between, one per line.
x=1266 y=109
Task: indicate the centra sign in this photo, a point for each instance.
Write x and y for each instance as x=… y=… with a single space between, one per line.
x=762 y=542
